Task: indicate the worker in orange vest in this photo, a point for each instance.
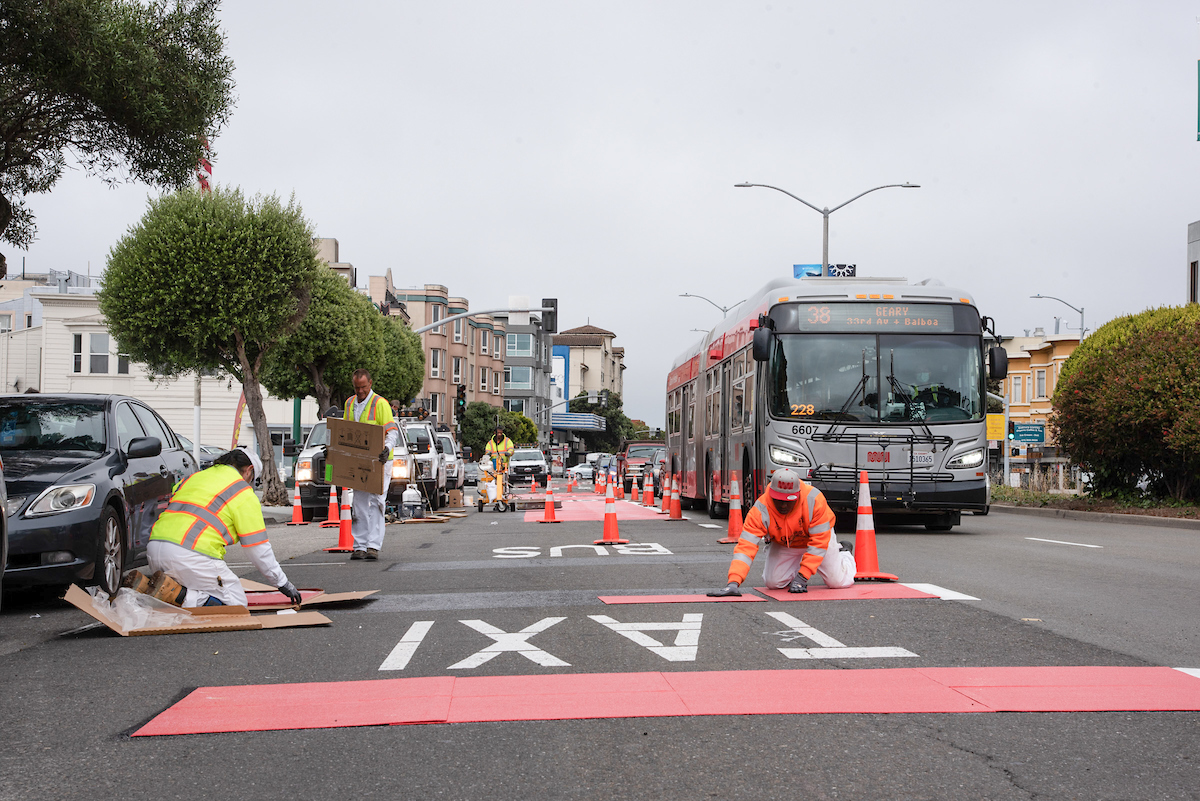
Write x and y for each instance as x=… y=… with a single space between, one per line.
x=794 y=518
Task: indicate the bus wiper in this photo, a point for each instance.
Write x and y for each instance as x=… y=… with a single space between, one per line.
x=859 y=388
x=904 y=395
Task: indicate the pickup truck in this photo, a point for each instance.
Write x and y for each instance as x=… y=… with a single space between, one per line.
x=633 y=460
x=310 y=474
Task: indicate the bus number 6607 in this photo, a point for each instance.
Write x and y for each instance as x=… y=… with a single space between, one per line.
x=804 y=429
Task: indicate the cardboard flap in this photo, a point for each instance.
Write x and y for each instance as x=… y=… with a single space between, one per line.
x=287 y=621
x=269 y=602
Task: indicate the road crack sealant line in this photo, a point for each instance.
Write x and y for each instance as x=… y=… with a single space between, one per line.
x=564 y=561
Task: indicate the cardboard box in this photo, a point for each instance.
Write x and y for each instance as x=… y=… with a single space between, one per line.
x=352 y=457
x=454 y=499
x=204 y=618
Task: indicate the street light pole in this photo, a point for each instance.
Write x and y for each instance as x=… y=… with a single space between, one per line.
x=1082 y=330
x=825 y=212
x=724 y=309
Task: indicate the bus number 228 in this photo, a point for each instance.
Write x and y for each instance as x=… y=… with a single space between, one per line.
x=802 y=409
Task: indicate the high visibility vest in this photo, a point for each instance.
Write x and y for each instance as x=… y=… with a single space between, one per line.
x=376 y=411
x=809 y=526
x=210 y=510
x=499 y=453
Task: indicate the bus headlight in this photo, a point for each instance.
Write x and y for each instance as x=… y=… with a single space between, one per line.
x=789 y=458
x=304 y=470
x=966 y=460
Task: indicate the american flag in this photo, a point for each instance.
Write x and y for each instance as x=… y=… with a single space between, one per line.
x=842 y=270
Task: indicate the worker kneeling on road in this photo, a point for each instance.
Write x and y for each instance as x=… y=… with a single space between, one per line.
x=210 y=510
x=797 y=522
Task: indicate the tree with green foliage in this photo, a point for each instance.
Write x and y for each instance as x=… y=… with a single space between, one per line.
x=127 y=88
x=211 y=281
x=401 y=371
x=618 y=427
x=1127 y=404
x=479 y=424
x=341 y=332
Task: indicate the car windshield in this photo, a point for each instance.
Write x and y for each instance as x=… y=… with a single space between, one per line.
x=50 y=425
x=318 y=436
x=447 y=445
x=641 y=451
x=527 y=456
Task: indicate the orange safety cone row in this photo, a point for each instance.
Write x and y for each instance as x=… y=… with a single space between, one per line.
x=735 y=512
x=676 y=504
x=598 y=483
x=665 y=506
x=345 y=535
x=549 y=517
x=611 y=535
x=297 y=511
x=648 y=489
x=866 y=561
x=331 y=519
x=618 y=486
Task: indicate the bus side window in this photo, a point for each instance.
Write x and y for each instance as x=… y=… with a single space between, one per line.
x=748 y=403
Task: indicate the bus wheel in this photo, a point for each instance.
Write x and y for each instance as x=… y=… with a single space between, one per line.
x=939 y=526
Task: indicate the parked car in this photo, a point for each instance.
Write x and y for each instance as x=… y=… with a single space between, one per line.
x=602 y=465
x=659 y=469
x=310 y=473
x=86 y=477
x=424 y=445
x=471 y=474
x=455 y=468
x=581 y=471
x=3 y=529
x=633 y=460
x=528 y=465
x=208 y=453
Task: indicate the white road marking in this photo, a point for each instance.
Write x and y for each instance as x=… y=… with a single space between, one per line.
x=404 y=650
x=630 y=549
x=830 y=648
x=687 y=641
x=511 y=641
x=558 y=549
x=1190 y=671
x=708 y=525
x=1060 y=542
x=941 y=592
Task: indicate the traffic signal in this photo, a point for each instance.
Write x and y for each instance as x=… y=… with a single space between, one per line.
x=1012 y=430
x=604 y=398
x=460 y=402
x=550 y=318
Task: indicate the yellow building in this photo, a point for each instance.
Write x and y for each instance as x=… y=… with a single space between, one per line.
x=1034 y=364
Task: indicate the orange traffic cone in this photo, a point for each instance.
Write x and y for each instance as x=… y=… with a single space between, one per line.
x=598 y=484
x=676 y=504
x=665 y=506
x=735 y=512
x=331 y=519
x=866 y=561
x=345 y=535
x=618 y=487
x=548 y=517
x=571 y=483
x=297 y=512
x=611 y=535
x=648 y=489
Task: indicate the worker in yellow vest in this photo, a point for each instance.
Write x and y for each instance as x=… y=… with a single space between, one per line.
x=209 y=511
x=500 y=448
x=364 y=406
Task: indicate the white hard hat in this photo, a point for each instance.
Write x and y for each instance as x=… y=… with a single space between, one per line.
x=254 y=460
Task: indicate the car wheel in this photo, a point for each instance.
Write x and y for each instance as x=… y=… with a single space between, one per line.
x=110 y=555
x=306 y=514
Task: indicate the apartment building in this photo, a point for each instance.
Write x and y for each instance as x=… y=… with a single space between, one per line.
x=1034 y=364
x=590 y=362
x=527 y=371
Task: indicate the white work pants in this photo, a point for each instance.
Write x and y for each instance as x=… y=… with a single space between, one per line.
x=368 y=515
x=782 y=563
x=202 y=575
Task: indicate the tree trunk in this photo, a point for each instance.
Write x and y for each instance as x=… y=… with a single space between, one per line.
x=274 y=493
x=321 y=391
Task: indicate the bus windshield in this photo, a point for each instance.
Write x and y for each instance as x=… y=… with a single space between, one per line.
x=891 y=378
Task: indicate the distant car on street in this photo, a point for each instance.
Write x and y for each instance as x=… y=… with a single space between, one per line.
x=580 y=472
x=528 y=465
x=86 y=477
x=471 y=473
x=208 y=453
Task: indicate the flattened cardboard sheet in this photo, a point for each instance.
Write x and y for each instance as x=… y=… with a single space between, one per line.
x=353 y=455
x=268 y=601
x=204 y=619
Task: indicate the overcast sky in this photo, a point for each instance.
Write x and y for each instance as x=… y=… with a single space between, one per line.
x=588 y=151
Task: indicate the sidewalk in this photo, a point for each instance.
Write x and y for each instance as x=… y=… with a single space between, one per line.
x=1099 y=517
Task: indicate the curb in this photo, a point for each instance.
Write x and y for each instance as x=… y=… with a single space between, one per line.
x=1100 y=517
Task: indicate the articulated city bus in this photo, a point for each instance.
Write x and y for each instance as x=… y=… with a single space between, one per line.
x=831 y=376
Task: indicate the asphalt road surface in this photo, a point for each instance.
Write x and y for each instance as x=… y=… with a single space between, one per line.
x=450 y=604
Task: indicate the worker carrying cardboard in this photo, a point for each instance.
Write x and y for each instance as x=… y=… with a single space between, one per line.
x=209 y=511
x=795 y=519
x=364 y=406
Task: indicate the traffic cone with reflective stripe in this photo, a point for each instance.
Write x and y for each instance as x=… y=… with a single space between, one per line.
x=598 y=483
x=665 y=504
x=345 y=535
x=331 y=518
x=549 y=517
x=297 y=511
x=866 y=561
x=676 y=504
x=618 y=488
x=611 y=535
x=571 y=482
x=648 y=489
x=735 y=512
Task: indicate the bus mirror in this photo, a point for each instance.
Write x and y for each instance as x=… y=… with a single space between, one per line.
x=762 y=344
x=997 y=362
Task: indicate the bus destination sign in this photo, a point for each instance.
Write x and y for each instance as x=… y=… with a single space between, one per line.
x=889 y=317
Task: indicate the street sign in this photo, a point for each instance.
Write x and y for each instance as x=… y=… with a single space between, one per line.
x=1029 y=432
x=995 y=426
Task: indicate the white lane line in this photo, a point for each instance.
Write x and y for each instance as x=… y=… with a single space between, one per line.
x=404 y=650
x=1190 y=671
x=1061 y=542
x=708 y=525
x=941 y=592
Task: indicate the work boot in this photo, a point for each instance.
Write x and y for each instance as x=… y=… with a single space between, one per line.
x=848 y=548
x=358 y=555
x=372 y=555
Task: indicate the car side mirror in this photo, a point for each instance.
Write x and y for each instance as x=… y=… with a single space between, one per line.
x=289 y=447
x=997 y=363
x=762 y=344
x=143 y=447
x=467 y=454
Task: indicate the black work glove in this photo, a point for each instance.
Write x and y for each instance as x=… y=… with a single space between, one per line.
x=384 y=455
x=293 y=594
x=728 y=591
x=799 y=584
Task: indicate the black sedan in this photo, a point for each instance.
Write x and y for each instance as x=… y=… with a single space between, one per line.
x=87 y=476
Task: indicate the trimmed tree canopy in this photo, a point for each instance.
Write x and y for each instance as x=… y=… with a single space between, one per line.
x=121 y=85
x=1127 y=403
x=479 y=423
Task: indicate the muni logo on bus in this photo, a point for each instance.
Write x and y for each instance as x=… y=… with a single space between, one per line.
x=880 y=457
